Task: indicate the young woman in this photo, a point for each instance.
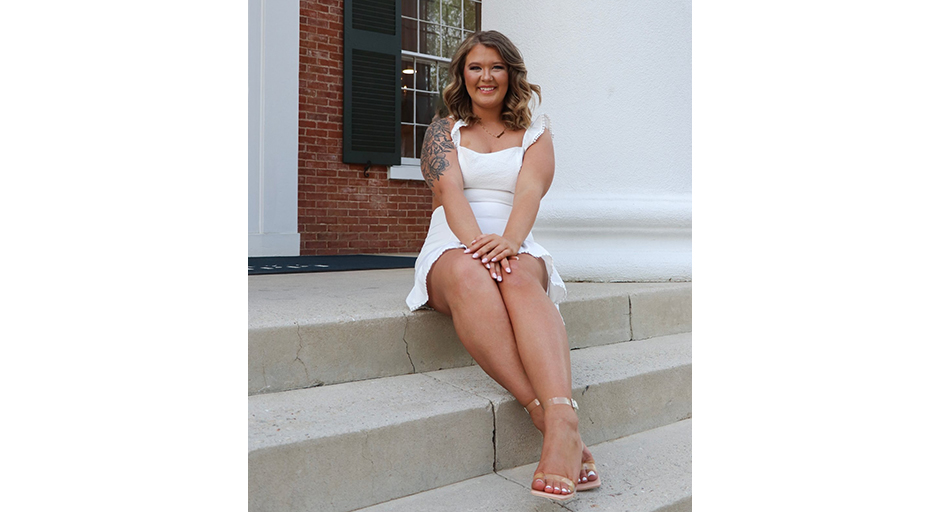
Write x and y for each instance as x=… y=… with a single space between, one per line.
x=489 y=164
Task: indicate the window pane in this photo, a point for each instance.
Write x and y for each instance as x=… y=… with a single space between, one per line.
x=469 y=21
x=407 y=106
x=443 y=77
x=407 y=79
x=419 y=139
x=407 y=141
x=439 y=108
x=409 y=8
x=452 y=37
x=425 y=110
x=451 y=13
x=423 y=76
x=432 y=79
x=443 y=25
x=409 y=35
x=471 y=15
x=430 y=10
x=429 y=39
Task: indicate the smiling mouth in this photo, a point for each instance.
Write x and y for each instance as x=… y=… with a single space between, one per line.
x=487 y=89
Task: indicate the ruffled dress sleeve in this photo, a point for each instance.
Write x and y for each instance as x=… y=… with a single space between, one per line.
x=539 y=125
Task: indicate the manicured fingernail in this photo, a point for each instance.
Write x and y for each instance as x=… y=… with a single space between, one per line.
x=487 y=265
x=500 y=279
x=494 y=275
x=475 y=255
x=509 y=271
x=466 y=251
x=485 y=260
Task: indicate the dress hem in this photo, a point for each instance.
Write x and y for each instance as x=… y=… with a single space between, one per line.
x=557 y=291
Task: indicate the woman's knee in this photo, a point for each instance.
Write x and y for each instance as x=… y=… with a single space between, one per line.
x=458 y=276
x=528 y=273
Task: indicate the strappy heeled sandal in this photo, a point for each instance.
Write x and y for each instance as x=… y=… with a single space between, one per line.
x=587 y=466
x=568 y=486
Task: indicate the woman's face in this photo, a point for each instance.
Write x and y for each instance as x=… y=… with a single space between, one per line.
x=486 y=77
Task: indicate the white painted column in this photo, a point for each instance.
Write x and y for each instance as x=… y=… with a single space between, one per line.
x=273 y=67
x=616 y=81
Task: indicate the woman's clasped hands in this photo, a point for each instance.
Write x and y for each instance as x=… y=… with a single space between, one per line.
x=494 y=252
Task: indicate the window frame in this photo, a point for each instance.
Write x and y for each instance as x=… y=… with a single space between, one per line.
x=410 y=168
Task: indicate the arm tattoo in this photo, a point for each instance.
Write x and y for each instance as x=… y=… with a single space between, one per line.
x=437 y=144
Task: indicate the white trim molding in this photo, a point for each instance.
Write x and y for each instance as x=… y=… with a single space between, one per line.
x=273 y=109
x=618 y=238
x=273 y=244
x=410 y=169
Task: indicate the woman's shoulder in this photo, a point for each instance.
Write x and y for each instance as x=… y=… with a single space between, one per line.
x=447 y=122
x=450 y=124
x=443 y=125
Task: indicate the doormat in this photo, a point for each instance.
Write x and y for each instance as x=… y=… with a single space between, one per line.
x=298 y=264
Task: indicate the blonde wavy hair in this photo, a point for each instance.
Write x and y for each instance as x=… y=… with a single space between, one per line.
x=516 y=111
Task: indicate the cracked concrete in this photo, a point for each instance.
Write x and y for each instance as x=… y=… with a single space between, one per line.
x=264 y=377
x=492 y=410
x=353 y=326
x=630 y=313
x=404 y=338
x=405 y=421
x=300 y=347
x=629 y=384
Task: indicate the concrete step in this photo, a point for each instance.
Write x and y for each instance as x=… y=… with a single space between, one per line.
x=347 y=446
x=309 y=330
x=621 y=389
x=352 y=445
x=646 y=472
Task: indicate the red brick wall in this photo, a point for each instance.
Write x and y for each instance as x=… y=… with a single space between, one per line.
x=340 y=211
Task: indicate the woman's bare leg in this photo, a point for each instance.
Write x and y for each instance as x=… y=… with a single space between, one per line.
x=460 y=287
x=546 y=358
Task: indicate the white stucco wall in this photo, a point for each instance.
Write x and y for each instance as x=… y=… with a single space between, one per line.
x=273 y=66
x=616 y=80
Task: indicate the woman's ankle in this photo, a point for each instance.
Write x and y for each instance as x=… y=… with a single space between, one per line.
x=538 y=419
x=566 y=419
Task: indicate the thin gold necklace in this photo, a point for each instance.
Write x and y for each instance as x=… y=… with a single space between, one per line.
x=491 y=133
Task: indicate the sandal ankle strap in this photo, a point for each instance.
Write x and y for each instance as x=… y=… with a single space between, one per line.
x=532 y=405
x=559 y=400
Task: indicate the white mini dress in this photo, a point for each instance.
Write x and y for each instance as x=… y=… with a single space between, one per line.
x=489 y=184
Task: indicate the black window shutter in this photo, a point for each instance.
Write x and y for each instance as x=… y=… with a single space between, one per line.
x=371 y=82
